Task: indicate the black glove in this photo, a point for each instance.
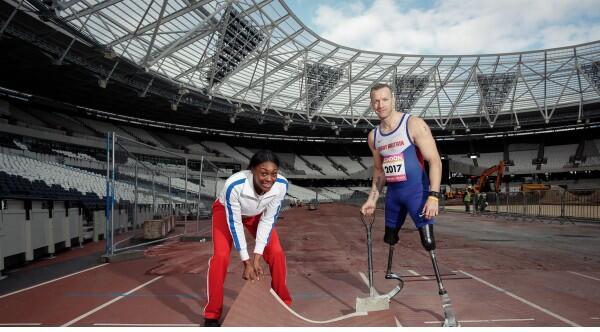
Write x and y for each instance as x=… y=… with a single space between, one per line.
x=391 y=235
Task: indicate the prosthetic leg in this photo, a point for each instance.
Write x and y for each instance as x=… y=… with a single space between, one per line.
x=428 y=242
x=391 y=237
x=391 y=275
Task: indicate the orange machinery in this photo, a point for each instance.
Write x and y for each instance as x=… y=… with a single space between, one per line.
x=499 y=169
x=534 y=187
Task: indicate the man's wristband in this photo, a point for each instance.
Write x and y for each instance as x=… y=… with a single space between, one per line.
x=435 y=194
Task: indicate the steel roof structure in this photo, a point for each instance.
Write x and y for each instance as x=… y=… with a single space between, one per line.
x=259 y=57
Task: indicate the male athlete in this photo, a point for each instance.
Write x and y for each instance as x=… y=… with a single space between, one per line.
x=400 y=145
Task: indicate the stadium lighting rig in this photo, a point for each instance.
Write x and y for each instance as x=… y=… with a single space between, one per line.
x=408 y=89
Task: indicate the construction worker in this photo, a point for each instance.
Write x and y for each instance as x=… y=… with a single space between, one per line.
x=467 y=200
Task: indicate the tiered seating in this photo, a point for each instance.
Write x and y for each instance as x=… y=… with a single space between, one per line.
x=104 y=127
x=592 y=153
x=365 y=190
x=198 y=149
x=301 y=193
x=367 y=161
x=50 y=118
x=352 y=166
x=522 y=160
x=324 y=164
x=163 y=180
x=558 y=156
x=79 y=155
x=462 y=158
x=64 y=178
x=163 y=142
x=142 y=135
x=178 y=141
x=287 y=159
x=208 y=186
x=326 y=195
x=22 y=116
x=20 y=145
x=300 y=165
x=340 y=190
x=487 y=160
x=246 y=151
x=73 y=125
x=226 y=150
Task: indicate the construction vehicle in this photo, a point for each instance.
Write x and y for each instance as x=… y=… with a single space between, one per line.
x=499 y=169
x=534 y=187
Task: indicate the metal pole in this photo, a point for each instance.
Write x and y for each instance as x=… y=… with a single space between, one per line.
x=112 y=205
x=186 y=209
x=539 y=202
x=199 y=197
x=108 y=191
x=216 y=180
x=170 y=197
x=153 y=196
x=562 y=204
x=497 y=196
x=370 y=261
x=135 y=202
x=524 y=201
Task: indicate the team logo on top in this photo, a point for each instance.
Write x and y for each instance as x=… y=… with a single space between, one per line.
x=391 y=145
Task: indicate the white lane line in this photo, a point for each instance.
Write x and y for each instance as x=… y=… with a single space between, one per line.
x=417 y=275
x=366 y=281
x=398 y=324
x=485 y=320
x=354 y=314
x=583 y=275
x=20 y=324
x=125 y=239
x=110 y=302
x=595 y=318
x=531 y=304
x=53 y=280
x=141 y=324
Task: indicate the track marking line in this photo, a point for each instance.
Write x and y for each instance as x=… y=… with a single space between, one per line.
x=531 y=304
x=354 y=314
x=398 y=324
x=53 y=280
x=125 y=239
x=584 y=275
x=20 y=324
x=110 y=302
x=366 y=281
x=484 y=320
x=417 y=275
x=147 y=325
x=595 y=318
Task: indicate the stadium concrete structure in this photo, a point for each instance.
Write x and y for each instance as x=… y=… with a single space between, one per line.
x=192 y=88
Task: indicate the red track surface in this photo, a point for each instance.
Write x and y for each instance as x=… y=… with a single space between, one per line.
x=498 y=273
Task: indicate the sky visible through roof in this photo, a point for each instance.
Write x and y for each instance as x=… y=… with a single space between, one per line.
x=451 y=26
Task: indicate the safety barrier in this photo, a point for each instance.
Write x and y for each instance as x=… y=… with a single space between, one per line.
x=562 y=204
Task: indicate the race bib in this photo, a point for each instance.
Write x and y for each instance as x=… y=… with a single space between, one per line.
x=393 y=166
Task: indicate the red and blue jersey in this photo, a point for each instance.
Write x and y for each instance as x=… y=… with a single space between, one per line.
x=406 y=179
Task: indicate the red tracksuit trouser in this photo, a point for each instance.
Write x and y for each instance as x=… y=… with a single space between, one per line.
x=218 y=263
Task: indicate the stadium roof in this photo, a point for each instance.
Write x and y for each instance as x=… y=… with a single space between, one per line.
x=263 y=60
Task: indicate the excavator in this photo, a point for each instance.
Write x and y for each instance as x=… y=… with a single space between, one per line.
x=534 y=187
x=484 y=175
